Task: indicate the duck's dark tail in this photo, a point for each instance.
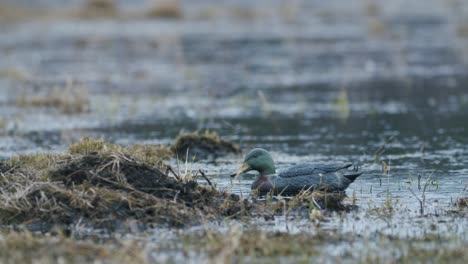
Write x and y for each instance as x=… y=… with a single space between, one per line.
x=352 y=175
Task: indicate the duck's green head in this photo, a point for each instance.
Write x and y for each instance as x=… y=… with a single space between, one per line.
x=259 y=160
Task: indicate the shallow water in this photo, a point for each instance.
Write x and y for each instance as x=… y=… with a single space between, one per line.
x=333 y=81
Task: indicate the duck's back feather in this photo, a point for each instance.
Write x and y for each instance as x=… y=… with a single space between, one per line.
x=312 y=169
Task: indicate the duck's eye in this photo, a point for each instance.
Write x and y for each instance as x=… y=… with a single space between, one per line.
x=253 y=157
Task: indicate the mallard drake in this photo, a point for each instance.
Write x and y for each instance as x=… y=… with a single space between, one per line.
x=330 y=177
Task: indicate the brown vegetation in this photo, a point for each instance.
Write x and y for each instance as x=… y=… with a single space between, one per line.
x=203 y=145
x=166 y=9
x=98 y=9
x=25 y=247
x=255 y=243
x=462 y=203
x=71 y=99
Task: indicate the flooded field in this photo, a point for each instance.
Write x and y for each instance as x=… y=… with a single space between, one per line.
x=382 y=84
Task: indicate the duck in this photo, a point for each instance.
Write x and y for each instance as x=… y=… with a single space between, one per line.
x=329 y=177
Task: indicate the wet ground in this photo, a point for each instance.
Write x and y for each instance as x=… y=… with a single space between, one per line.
x=370 y=82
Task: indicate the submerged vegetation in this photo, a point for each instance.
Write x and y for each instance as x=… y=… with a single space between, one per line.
x=307 y=204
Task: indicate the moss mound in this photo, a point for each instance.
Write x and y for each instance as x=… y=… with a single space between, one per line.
x=202 y=146
x=105 y=188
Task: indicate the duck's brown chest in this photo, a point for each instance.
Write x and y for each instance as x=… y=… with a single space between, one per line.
x=262 y=184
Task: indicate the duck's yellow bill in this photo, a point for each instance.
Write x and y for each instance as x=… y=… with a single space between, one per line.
x=245 y=167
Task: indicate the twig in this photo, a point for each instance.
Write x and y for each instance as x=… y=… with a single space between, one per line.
x=169 y=169
x=316 y=204
x=206 y=178
x=125 y=187
x=421 y=202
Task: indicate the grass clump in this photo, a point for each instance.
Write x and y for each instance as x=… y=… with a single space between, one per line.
x=417 y=254
x=198 y=145
x=308 y=204
x=89 y=145
x=203 y=145
x=13 y=13
x=13 y=73
x=103 y=185
x=462 y=203
x=71 y=99
x=318 y=200
x=165 y=9
x=37 y=163
x=98 y=8
x=151 y=154
x=462 y=30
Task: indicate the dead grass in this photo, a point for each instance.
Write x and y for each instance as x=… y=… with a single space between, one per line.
x=166 y=9
x=203 y=145
x=311 y=205
x=245 y=244
x=25 y=247
x=238 y=243
x=376 y=26
x=71 y=99
x=437 y=255
x=15 y=13
x=13 y=73
x=150 y=154
x=462 y=203
x=98 y=9
x=318 y=200
x=462 y=30
x=37 y=162
x=372 y=8
x=245 y=13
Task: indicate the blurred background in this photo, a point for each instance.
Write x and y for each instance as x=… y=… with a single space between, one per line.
x=320 y=80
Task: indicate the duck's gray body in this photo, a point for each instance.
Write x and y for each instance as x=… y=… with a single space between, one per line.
x=331 y=177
